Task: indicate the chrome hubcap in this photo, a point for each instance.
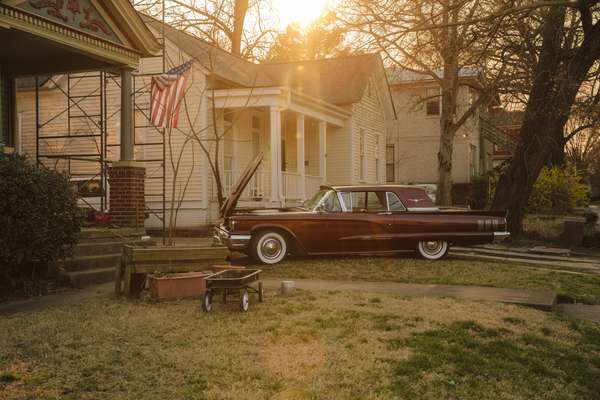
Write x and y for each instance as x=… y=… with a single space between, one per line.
x=432 y=247
x=271 y=248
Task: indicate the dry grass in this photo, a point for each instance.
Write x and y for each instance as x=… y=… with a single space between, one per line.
x=311 y=346
x=582 y=288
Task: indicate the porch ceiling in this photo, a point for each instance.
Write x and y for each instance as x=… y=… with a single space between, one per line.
x=26 y=54
x=284 y=99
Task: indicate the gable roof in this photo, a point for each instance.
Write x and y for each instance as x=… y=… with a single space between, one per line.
x=338 y=81
x=397 y=76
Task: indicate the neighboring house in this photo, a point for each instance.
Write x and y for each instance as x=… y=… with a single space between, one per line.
x=413 y=139
x=510 y=123
x=315 y=121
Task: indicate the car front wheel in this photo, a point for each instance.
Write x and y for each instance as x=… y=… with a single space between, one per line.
x=433 y=249
x=270 y=247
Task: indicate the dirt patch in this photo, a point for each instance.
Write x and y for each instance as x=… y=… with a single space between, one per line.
x=295 y=356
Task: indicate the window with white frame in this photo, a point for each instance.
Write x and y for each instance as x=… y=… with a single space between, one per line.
x=432 y=102
x=363 y=155
x=390 y=171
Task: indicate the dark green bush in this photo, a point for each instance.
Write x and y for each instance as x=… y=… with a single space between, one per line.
x=591 y=237
x=591 y=218
x=478 y=193
x=39 y=222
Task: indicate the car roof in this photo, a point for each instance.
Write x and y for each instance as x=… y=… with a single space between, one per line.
x=356 y=188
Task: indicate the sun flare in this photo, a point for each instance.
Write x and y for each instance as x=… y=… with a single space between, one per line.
x=302 y=12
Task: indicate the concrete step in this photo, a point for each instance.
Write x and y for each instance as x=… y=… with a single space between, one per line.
x=575 y=268
x=97 y=248
x=85 y=263
x=80 y=279
x=526 y=255
x=91 y=234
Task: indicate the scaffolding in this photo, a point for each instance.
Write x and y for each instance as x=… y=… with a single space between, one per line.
x=80 y=138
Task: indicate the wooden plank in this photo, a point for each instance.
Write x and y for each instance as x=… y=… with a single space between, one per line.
x=178 y=254
x=164 y=268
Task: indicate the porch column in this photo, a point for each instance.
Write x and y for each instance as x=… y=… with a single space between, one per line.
x=323 y=150
x=300 y=167
x=126 y=116
x=275 y=127
x=126 y=177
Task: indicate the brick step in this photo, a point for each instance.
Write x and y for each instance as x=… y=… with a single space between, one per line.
x=80 y=279
x=85 y=263
x=97 y=248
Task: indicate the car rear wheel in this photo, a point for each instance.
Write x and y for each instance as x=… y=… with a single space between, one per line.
x=433 y=249
x=270 y=247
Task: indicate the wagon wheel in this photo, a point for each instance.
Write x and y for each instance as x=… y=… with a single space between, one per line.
x=207 y=302
x=244 y=300
x=261 y=293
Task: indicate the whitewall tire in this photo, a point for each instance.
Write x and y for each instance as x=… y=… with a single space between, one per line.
x=269 y=247
x=433 y=249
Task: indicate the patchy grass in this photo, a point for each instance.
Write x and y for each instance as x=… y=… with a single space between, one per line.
x=583 y=288
x=310 y=346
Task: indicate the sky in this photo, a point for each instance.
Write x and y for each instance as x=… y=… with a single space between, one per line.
x=302 y=12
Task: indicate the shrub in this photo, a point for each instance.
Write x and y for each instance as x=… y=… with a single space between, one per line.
x=558 y=191
x=478 y=192
x=39 y=221
x=591 y=217
x=591 y=237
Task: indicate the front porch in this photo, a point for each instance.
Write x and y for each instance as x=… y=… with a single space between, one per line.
x=290 y=128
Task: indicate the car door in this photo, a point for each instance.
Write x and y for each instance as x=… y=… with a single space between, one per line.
x=318 y=230
x=364 y=227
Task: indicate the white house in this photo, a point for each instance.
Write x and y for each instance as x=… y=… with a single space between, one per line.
x=315 y=121
x=413 y=139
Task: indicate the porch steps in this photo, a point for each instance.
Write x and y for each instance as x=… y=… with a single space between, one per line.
x=97 y=255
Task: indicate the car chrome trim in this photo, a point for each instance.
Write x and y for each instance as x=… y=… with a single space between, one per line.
x=500 y=236
x=221 y=236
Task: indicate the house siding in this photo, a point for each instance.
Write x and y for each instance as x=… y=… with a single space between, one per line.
x=368 y=116
x=416 y=138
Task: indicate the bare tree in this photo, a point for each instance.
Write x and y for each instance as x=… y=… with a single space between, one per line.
x=565 y=56
x=242 y=27
x=457 y=38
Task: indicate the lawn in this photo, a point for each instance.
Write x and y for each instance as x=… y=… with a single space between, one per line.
x=326 y=345
x=583 y=288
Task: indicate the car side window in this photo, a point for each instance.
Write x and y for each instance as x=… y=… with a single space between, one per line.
x=376 y=202
x=332 y=203
x=358 y=202
x=394 y=203
x=346 y=198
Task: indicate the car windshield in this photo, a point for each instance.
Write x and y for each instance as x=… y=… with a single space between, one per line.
x=314 y=201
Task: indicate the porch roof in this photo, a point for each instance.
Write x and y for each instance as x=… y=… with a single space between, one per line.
x=54 y=37
x=285 y=99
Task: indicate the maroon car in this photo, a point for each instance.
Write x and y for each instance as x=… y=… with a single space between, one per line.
x=356 y=219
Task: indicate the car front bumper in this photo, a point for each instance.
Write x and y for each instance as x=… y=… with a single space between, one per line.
x=223 y=237
x=500 y=236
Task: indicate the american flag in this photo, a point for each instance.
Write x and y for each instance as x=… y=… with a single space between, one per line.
x=167 y=93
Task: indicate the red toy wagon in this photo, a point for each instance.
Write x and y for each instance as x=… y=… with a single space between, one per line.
x=233 y=281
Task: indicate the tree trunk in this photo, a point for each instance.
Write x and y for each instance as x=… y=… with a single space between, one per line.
x=552 y=95
x=239 y=15
x=449 y=93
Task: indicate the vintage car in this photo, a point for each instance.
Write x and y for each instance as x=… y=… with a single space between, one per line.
x=356 y=219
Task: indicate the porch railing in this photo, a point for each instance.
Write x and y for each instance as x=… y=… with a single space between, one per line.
x=258 y=188
x=291 y=185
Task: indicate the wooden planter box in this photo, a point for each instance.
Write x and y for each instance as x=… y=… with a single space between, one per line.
x=178 y=286
x=136 y=262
